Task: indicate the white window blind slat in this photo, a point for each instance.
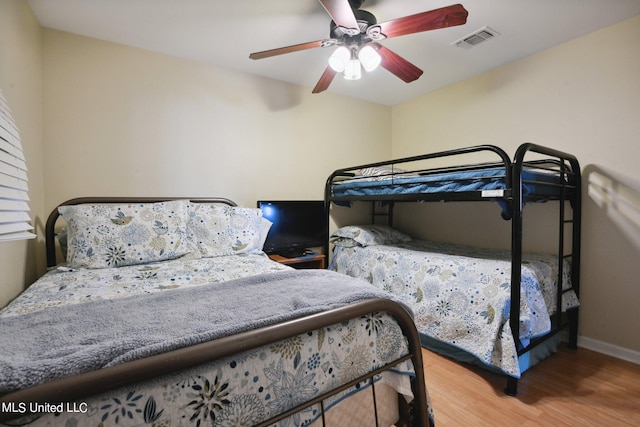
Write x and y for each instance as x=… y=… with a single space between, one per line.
x=13 y=171
x=24 y=235
x=13 y=182
x=8 y=147
x=13 y=193
x=15 y=227
x=14 y=209
x=6 y=122
x=10 y=142
x=9 y=216
x=6 y=130
x=12 y=160
x=5 y=115
x=13 y=205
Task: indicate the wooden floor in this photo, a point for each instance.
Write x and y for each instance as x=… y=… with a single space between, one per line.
x=571 y=388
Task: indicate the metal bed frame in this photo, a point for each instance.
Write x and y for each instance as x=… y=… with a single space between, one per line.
x=91 y=383
x=564 y=165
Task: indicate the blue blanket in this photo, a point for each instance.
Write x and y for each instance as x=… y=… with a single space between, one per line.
x=63 y=341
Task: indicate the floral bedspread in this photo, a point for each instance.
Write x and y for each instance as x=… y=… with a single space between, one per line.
x=253 y=386
x=240 y=390
x=461 y=295
x=63 y=285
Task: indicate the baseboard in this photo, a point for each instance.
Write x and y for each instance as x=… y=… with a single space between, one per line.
x=609 y=349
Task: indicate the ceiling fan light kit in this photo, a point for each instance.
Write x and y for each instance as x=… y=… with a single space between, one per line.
x=339 y=58
x=369 y=58
x=356 y=32
x=353 y=71
x=349 y=61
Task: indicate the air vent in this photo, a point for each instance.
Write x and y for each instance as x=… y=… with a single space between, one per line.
x=475 y=38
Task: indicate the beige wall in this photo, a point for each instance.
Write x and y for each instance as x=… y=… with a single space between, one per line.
x=582 y=97
x=21 y=83
x=123 y=121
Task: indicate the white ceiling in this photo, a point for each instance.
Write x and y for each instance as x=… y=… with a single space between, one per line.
x=225 y=32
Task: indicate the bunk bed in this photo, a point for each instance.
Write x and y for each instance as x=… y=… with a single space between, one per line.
x=471 y=174
x=177 y=329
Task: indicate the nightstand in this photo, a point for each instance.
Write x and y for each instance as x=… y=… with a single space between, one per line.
x=303 y=262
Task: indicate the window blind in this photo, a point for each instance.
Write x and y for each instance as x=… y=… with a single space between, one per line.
x=14 y=195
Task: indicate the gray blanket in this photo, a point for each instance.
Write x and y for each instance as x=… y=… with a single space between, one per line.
x=63 y=341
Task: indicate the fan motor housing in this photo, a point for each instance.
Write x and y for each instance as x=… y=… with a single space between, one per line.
x=365 y=20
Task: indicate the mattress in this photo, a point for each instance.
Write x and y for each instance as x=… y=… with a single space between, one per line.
x=488 y=180
x=461 y=295
x=237 y=390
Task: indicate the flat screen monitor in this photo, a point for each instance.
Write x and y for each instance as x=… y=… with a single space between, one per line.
x=297 y=226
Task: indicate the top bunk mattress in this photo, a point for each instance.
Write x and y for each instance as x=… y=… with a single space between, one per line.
x=490 y=182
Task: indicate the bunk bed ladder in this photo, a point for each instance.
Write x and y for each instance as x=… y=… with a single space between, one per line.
x=573 y=255
x=561 y=255
x=570 y=174
x=379 y=210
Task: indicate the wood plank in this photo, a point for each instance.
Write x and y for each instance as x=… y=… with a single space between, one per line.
x=572 y=387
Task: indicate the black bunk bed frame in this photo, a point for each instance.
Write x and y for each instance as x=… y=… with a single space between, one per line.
x=564 y=165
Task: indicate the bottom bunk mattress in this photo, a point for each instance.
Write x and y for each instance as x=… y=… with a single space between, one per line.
x=105 y=317
x=460 y=295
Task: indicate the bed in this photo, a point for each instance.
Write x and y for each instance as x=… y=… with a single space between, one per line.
x=142 y=325
x=507 y=338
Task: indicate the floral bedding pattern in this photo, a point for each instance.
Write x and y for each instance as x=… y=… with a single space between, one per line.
x=237 y=391
x=365 y=235
x=116 y=235
x=248 y=388
x=220 y=230
x=102 y=236
x=461 y=295
x=65 y=285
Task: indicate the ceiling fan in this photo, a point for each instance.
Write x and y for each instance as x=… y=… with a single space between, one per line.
x=356 y=34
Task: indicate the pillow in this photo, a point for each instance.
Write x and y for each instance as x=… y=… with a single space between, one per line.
x=219 y=230
x=102 y=236
x=62 y=241
x=380 y=172
x=265 y=226
x=365 y=235
x=344 y=242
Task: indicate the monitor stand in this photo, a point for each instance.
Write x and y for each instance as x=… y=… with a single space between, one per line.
x=293 y=252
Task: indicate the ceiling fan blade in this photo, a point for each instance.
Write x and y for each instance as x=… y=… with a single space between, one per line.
x=287 y=49
x=448 y=16
x=341 y=13
x=397 y=65
x=325 y=80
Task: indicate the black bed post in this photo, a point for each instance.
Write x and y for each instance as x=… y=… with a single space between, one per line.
x=327 y=208
x=575 y=250
x=516 y=262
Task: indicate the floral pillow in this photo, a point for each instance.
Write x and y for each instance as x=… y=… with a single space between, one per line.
x=366 y=235
x=265 y=226
x=226 y=230
x=102 y=236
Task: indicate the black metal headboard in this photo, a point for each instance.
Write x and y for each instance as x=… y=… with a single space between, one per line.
x=50 y=233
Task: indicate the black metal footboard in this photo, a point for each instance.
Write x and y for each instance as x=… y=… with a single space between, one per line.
x=81 y=386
